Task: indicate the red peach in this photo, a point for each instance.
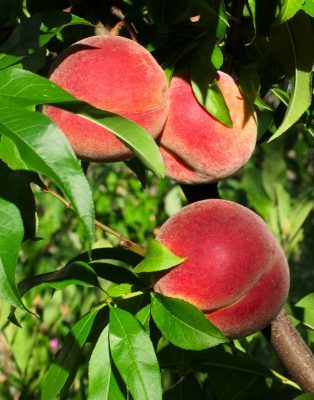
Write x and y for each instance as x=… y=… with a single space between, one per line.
x=235 y=271
x=196 y=147
x=114 y=74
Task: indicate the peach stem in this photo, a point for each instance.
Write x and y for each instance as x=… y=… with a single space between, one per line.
x=124 y=241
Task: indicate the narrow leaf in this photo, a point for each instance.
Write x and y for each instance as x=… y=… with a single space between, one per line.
x=143 y=316
x=103 y=384
x=134 y=356
x=11 y=236
x=299 y=214
x=204 y=84
x=298 y=44
x=306 y=302
x=78 y=273
x=183 y=324
x=67 y=359
x=33 y=33
x=109 y=253
x=158 y=258
x=115 y=273
x=45 y=150
x=287 y=9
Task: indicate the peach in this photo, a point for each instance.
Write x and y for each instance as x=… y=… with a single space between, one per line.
x=196 y=147
x=114 y=74
x=235 y=271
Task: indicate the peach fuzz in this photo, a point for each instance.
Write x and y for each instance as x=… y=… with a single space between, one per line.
x=235 y=271
x=196 y=147
x=114 y=74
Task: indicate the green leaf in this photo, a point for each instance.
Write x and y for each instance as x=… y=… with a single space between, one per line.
x=158 y=258
x=44 y=149
x=132 y=135
x=186 y=388
x=109 y=253
x=77 y=273
x=297 y=41
x=103 y=384
x=143 y=316
x=250 y=86
x=169 y=12
x=35 y=32
x=306 y=302
x=213 y=17
x=27 y=88
x=263 y=15
x=11 y=236
x=305 y=396
x=300 y=212
x=204 y=84
x=118 y=290
x=115 y=273
x=66 y=361
x=183 y=324
x=134 y=356
x=308 y=7
x=282 y=95
x=252 y=183
x=287 y=9
x=10 y=155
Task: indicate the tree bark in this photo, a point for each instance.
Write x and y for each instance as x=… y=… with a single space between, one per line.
x=293 y=352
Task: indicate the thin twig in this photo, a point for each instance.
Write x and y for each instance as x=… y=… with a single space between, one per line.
x=124 y=241
x=121 y=24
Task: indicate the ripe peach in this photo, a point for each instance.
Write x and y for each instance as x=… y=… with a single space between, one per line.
x=235 y=271
x=114 y=74
x=196 y=147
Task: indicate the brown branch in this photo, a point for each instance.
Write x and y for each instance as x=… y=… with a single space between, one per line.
x=293 y=352
x=121 y=24
x=124 y=241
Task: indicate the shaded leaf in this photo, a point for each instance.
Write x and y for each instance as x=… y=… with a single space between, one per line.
x=115 y=273
x=250 y=86
x=158 y=258
x=134 y=356
x=183 y=324
x=109 y=253
x=213 y=17
x=77 y=273
x=33 y=33
x=169 y=12
x=187 y=388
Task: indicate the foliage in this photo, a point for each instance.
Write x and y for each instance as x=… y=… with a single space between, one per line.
x=77 y=316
